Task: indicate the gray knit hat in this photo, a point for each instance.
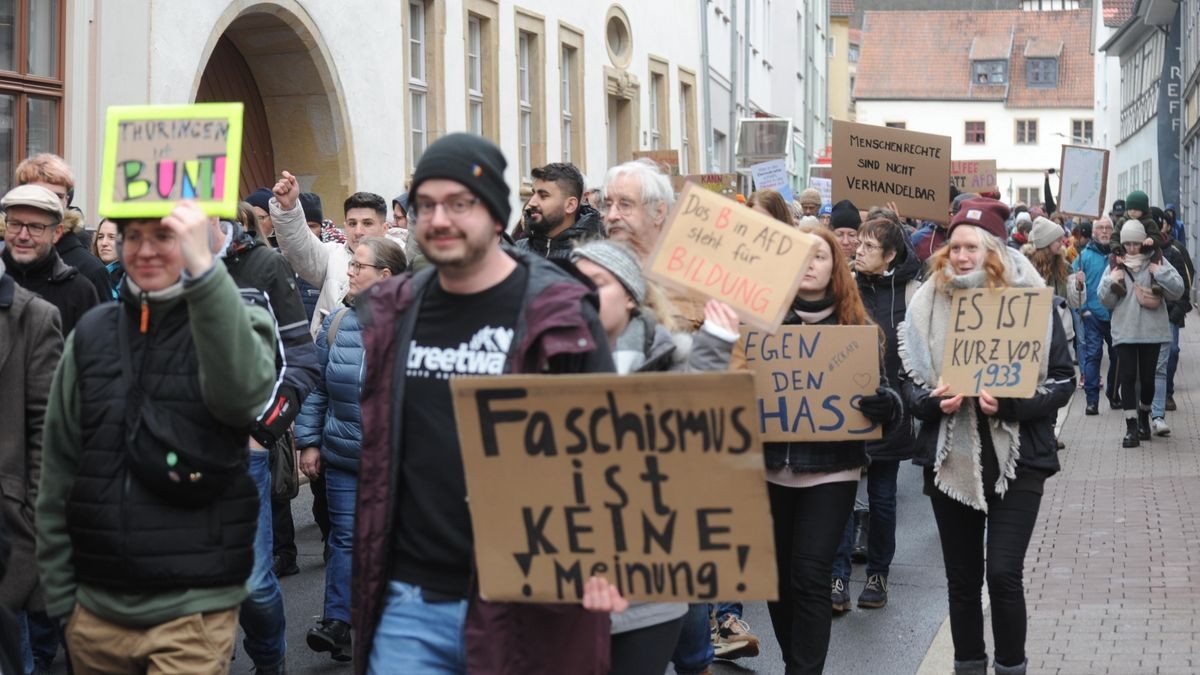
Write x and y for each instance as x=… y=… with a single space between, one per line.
x=619 y=261
x=1132 y=231
x=1044 y=232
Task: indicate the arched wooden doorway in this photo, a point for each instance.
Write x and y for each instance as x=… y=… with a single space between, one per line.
x=227 y=77
x=294 y=115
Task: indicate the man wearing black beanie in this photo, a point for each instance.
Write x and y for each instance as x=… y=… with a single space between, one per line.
x=480 y=309
x=845 y=221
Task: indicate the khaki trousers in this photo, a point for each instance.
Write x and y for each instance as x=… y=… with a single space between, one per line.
x=193 y=644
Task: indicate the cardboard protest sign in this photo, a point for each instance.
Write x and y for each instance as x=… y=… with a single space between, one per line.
x=726 y=251
x=652 y=481
x=876 y=165
x=721 y=183
x=974 y=175
x=1084 y=175
x=807 y=380
x=668 y=160
x=155 y=155
x=824 y=186
x=772 y=175
x=996 y=341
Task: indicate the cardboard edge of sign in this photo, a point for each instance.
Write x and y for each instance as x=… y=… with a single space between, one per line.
x=1062 y=162
x=227 y=208
x=1028 y=387
x=749 y=318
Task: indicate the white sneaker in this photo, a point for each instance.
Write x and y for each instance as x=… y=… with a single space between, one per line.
x=1159 y=426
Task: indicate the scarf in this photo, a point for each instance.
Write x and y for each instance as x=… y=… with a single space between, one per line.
x=630 y=351
x=921 y=341
x=1135 y=261
x=811 y=311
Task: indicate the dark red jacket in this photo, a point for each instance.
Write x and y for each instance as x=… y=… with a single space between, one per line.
x=558 y=331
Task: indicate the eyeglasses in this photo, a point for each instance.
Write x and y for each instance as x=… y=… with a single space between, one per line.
x=869 y=247
x=161 y=240
x=455 y=207
x=358 y=267
x=35 y=229
x=623 y=206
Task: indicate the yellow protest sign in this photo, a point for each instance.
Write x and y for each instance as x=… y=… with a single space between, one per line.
x=873 y=166
x=721 y=183
x=652 y=481
x=808 y=380
x=996 y=341
x=723 y=250
x=155 y=155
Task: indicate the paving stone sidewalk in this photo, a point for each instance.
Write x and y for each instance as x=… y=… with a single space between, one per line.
x=1113 y=570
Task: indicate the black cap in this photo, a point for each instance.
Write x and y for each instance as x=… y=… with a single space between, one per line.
x=1118 y=208
x=473 y=161
x=311 y=203
x=845 y=214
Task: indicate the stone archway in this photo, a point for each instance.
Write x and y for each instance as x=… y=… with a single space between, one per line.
x=270 y=57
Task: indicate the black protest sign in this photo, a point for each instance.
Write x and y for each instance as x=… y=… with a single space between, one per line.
x=652 y=481
x=996 y=341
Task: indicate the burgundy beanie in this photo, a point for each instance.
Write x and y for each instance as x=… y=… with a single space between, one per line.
x=989 y=214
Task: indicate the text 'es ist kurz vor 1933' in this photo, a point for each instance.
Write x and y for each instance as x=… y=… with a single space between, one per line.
x=723 y=250
x=652 y=481
x=809 y=379
x=996 y=341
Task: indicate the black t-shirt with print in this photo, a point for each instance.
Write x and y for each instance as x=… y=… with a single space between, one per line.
x=455 y=335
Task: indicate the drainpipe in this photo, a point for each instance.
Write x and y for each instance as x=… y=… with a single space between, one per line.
x=706 y=90
x=733 y=78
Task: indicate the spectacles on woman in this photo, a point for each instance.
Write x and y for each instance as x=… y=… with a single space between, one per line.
x=358 y=267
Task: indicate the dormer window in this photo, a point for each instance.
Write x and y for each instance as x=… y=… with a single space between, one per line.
x=989 y=72
x=1041 y=72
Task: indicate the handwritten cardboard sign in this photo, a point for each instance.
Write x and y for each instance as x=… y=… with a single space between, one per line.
x=876 y=165
x=824 y=186
x=807 y=380
x=996 y=341
x=720 y=183
x=155 y=155
x=667 y=160
x=974 y=175
x=772 y=175
x=721 y=249
x=652 y=481
x=1084 y=174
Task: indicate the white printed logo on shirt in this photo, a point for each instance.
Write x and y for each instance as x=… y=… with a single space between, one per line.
x=483 y=355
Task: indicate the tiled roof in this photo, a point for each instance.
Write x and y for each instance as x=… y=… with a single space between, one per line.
x=926 y=55
x=855 y=36
x=841 y=8
x=1117 y=12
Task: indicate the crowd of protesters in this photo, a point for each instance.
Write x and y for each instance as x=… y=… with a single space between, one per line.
x=167 y=381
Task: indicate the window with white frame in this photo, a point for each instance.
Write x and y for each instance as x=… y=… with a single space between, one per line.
x=1148 y=175
x=1081 y=132
x=656 y=88
x=685 y=141
x=525 y=102
x=418 y=82
x=475 y=75
x=1135 y=178
x=1030 y=196
x=567 y=67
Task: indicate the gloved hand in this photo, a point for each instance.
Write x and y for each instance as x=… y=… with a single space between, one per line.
x=878 y=407
x=278 y=417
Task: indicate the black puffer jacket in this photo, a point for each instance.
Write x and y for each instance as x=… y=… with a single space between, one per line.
x=588 y=225
x=74 y=253
x=57 y=283
x=885 y=300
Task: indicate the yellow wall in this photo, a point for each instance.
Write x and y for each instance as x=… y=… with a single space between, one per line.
x=839 y=70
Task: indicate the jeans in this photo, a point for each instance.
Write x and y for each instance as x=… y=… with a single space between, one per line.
x=1162 y=379
x=415 y=636
x=1138 y=363
x=881 y=529
x=39 y=639
x=1008 y=526
x=694 y=651
x=341 y=488
x=808 y=525
x=262 y=617
x=1097 y=334
x=727 y=609
x=1173 y=361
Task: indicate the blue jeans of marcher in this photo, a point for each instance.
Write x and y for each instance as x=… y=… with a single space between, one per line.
x=1097 y=334
x=415 y=636
x=341 y=487
x=694 y=651
x=1161 y=381
x=262 y=616
x=39 y=640
x=1173 y=362
x=881 y=528
x=725 y=609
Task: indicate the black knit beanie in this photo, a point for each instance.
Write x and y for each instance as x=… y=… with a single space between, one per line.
x=473 y=161
x=845 y=214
